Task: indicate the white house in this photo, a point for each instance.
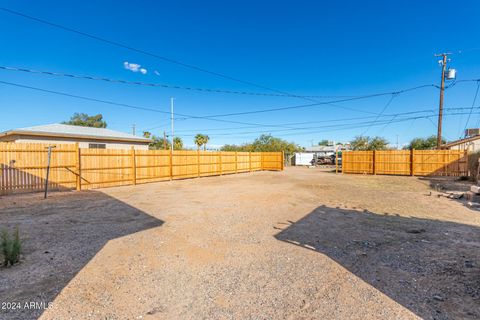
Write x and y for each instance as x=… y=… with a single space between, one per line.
x=87 y=137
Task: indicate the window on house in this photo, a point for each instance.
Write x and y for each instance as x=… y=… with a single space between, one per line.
x=97 y=145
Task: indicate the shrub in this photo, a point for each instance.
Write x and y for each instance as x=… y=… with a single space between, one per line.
x=11 y=247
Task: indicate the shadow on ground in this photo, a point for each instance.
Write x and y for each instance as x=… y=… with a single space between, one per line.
x=61 y=235
x=430 y=267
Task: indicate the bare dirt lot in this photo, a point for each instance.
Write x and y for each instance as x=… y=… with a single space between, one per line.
x=298 y=244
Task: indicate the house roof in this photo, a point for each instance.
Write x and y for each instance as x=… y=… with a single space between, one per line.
x=460 y=141
x=320 y=149
x=69 y=131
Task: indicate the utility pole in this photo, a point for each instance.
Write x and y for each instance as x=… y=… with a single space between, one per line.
x=443 y=62
x=49 y=156
x=133 y=129
x=164 y=140
x=171 y=118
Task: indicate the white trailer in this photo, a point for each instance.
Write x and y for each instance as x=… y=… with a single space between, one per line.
x=303 y=159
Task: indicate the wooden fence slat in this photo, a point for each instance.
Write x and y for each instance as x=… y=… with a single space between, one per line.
x=405 y=162
x=23 y=166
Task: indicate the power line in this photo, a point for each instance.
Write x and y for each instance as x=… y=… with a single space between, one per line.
x=124 y=46
x=127 y=105
x=323 y=103
x=344 y=126
x=147 y=108
x=144 y=52
x=332 y=103
x=161 y=85
x=381 y=112
x=97 y=78
x=473 y=105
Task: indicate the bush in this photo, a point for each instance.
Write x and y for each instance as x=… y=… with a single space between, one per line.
x=11 y=247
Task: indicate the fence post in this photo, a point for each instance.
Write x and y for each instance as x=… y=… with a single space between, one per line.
x=78 y=167
x=134 y=169
x=336 y=161
x=374 y=162
x=198 y=163
x=261 y=160
x=467 y=166
x=411 y=162
x=220 y=163
x=171 y=164
x=283 y=159
x=236 y=164
x=250 y=161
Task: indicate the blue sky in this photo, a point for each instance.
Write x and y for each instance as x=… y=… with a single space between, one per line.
x=338 y=48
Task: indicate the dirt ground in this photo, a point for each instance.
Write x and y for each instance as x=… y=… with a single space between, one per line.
x=298 y=244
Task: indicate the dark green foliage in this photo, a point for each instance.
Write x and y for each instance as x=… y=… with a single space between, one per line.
x=11 y=247
x=364 y=143
x=424 y=143
x=84 y=120
x=201 y=140
x=323 y=143
x=158 y=143
x=265 y=143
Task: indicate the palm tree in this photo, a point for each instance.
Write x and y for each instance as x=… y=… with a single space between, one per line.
x=177 y=143
x=205 y=141
x=199 y=140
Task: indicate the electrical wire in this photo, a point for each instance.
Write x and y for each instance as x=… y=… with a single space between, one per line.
x=473 y=105
x=97 y=78
x=342 y=126
x=381 y=112
x=161 y=85
x=127 y=105
x=144 y=52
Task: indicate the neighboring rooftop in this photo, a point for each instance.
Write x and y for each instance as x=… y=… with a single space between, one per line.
x=320 y=149
x=460 y=141
x=69 y=131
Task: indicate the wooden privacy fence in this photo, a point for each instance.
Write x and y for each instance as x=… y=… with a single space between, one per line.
x=407 y=162
x=23 y=166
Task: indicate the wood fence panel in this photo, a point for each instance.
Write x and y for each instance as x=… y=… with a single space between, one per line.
x=105 y=168
x=228 y=162
x=406 y=162
x=243 y=161
x=23 y=166
x=440 y=163
x=272 y=160
x=357 y=162
x=395 y=162
x=209 y=163
x=256 y=161
x=152 y=165
x=185 y=164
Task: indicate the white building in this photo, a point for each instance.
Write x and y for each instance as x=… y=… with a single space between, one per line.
x=87 y=137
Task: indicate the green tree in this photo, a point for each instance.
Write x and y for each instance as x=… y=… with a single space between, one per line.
x=233 y=147
x=84 y=120
x=199 y=140
x=159 y=143
x=265 y=143
x=378 y=143
x=360 y=143
x=147 y=134
x=177 y=143
x=364 y=143
x=424 y=143
x=323 y=143
x=205 y=140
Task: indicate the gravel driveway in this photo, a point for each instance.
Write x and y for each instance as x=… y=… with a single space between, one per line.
x=298 y=244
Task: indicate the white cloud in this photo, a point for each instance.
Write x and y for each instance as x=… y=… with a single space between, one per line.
x=134 y=67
